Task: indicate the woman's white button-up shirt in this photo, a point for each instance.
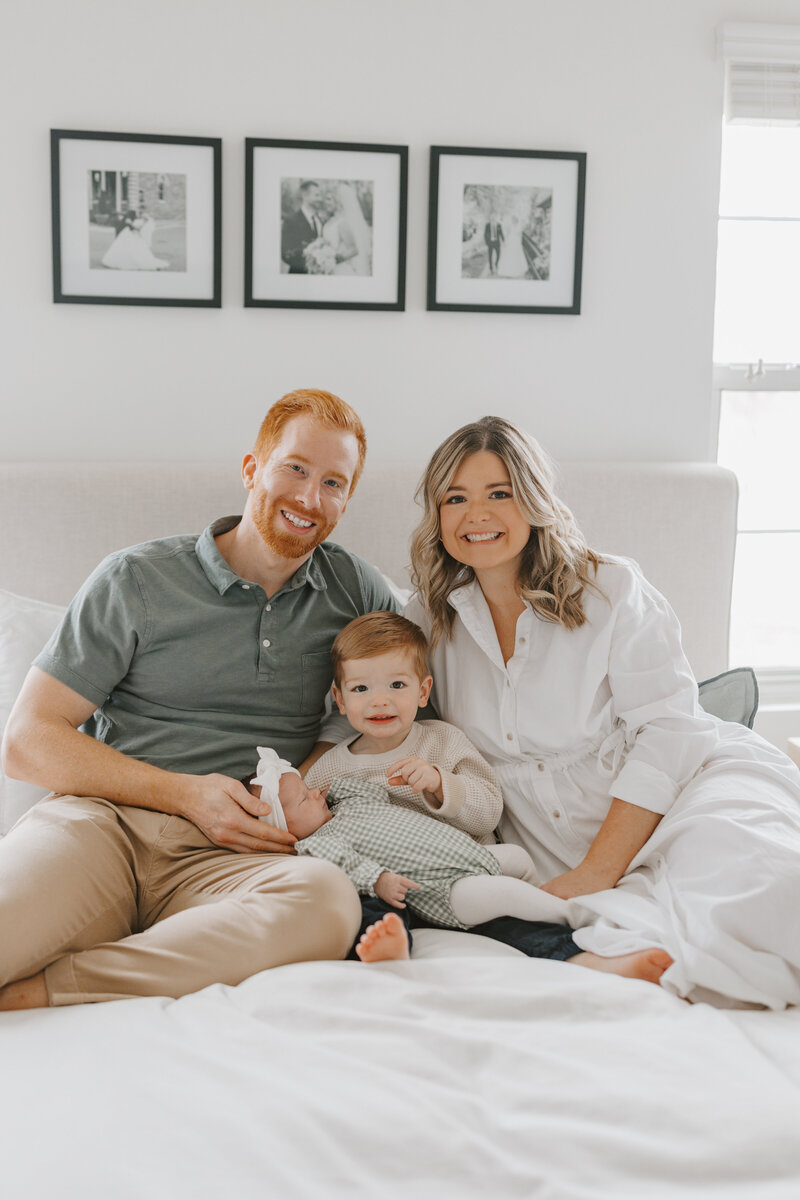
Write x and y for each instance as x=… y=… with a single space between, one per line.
x=575 y=717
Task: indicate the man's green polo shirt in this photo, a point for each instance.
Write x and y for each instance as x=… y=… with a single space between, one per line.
x=191 y=667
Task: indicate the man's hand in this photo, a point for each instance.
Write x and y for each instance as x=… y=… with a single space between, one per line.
x=418 y=774
x=392 y=888
x=224 y=810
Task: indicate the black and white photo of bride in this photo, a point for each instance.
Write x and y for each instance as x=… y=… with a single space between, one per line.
x=131 y=248
x=137 y=221
x=326 y=226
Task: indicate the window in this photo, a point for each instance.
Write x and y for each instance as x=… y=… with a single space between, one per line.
x=757 y=342
x=759 y=439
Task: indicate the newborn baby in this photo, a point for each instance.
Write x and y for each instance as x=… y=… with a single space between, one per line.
x=401 y=855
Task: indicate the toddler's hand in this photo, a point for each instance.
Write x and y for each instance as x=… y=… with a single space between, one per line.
x=392 y=888
x=418 y=774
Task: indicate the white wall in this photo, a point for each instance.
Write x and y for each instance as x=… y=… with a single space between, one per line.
x=635 y=84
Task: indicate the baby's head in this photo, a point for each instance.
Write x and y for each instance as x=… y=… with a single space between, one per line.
x=380 y=674
x=295 y=806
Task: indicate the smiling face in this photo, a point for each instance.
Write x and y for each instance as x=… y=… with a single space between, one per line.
x=380 y=697
x=480 y=524
x=305 y=808
x=300 y=490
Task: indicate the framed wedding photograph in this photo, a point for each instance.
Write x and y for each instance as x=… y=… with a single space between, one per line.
x=325 y=224
x=505 y=230
x=136 y=218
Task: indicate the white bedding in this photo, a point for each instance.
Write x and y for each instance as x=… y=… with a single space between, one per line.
x=452 y=1077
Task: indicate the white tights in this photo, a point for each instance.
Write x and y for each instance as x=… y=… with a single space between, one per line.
x=479 y=898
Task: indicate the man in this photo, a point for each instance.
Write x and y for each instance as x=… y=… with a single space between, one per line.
x=302 y=228
x=149 y=872
x=493 y=236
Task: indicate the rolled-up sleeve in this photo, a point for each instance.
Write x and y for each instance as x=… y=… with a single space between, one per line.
x=654 y=694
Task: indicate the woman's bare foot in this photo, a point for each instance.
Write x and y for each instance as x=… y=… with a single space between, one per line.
x=385 y=941
x=644 y=964
x=25 y=993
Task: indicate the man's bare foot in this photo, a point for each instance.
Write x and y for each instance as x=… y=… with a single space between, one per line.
x=385 y=941
x=25 y=993
x=644 y=964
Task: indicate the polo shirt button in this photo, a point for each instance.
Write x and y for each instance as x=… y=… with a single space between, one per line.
x=540 y=766
x=510 y=737
x=556 y=814
x=266 y=642
x=268 y=607
x=245 y=587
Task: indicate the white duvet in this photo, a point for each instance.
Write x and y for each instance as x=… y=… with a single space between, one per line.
x=456 y=1077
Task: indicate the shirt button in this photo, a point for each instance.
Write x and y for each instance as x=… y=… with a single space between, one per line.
x=522 y=641
x=540 y=766
x=268 y=607
x=246 y=587
x=556 y=814
x=510 y=737
x=266 y=642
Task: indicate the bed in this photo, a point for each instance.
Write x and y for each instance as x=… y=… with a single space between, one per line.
x=469 y=1071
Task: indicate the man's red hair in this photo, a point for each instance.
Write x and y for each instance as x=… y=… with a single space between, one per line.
x=322 y=406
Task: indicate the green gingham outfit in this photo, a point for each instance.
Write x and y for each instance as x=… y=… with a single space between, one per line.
x=368 y=834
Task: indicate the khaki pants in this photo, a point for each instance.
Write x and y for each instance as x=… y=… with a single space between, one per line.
x=114 y=902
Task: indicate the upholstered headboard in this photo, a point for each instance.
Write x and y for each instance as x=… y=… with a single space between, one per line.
x=678 y=520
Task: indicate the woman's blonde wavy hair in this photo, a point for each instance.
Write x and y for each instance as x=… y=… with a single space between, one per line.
x=556 y=563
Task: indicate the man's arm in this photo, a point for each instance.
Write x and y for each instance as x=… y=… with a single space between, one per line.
x=43 y=745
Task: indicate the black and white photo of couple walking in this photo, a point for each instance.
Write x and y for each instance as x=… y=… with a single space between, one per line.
x=506 y=232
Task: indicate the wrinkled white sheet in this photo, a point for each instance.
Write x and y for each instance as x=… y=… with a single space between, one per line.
x=718 y=885
x=458 y=1077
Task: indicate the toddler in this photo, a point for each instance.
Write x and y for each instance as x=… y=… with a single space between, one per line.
x=406 y=799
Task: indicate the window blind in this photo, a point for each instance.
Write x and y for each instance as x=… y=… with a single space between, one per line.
x=762 y=73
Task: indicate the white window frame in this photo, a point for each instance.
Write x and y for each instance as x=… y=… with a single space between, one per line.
x=778 y=685
x=769 y=45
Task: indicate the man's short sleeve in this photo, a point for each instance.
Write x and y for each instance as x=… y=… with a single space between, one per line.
x=92 y=649
x=376 y=589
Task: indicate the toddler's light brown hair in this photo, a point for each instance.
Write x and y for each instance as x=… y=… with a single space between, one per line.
x=377 y=633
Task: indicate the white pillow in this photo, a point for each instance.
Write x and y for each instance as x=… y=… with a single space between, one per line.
x=25 y=626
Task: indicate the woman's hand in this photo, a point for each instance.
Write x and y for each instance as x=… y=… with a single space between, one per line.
x=580 y=881
x=619 y=839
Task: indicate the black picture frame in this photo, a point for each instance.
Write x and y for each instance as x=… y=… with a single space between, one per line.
x=106 y=185
x=360 y=197
x=542 y=196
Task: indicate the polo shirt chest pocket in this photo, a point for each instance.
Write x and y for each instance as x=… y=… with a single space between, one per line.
x=315 y=682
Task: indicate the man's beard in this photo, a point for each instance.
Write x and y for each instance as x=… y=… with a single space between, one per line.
x=267 y=515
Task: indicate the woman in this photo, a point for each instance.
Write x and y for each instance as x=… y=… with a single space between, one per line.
x=130 y=250
x=565 y=669
x=513 y=263
x=349 y=234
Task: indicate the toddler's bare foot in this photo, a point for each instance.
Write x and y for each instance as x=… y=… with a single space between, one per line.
x=385 y=941
x=644 y=964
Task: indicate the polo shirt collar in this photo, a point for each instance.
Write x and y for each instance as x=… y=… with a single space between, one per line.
x=221 y=576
